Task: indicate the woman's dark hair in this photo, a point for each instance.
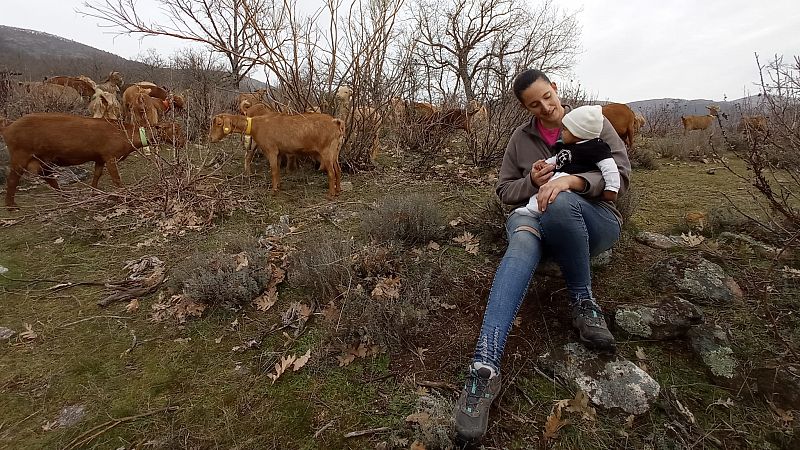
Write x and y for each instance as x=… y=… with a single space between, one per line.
x=524 y=79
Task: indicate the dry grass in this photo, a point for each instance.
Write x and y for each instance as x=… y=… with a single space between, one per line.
x=412 y=219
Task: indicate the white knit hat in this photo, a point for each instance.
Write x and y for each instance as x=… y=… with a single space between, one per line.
x=585 y=122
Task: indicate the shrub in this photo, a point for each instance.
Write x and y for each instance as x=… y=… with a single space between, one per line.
x=694 y=145
x=414 y=220
x=644 y=159
x=323 y=267
x=231 y=277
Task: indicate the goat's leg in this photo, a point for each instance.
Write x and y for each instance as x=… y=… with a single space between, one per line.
x=113 y=172
x=15 y=172
x=98 y=172
x=49 y=176
x=248 y=159
x=274 y=168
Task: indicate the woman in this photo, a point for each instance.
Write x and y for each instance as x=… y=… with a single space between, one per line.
x=574 y=226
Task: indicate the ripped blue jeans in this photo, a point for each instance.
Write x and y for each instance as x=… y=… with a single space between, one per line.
x=571 y=230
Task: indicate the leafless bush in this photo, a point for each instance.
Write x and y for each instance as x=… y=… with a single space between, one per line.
x=21 y=103
x=201 y=76
x=660 y=120
x=232 y=277
x=487 y=144
x=644 y=158
x=414 y=219
x=771 y=155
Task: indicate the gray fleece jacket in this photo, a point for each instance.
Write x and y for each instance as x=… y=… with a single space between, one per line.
x=526 y=147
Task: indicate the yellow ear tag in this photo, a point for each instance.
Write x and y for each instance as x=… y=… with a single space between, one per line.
x=226 y=130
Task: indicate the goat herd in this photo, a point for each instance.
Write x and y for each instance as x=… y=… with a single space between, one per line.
x=121 y=124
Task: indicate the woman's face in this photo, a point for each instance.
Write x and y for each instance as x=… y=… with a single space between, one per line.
x=541 y=100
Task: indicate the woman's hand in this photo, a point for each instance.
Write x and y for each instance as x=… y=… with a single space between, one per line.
x=541 y=172
x=548 y=193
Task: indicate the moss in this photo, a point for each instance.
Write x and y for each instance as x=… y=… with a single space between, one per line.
x=632 y=321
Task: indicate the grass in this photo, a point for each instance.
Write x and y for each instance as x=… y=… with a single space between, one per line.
x=225 y=398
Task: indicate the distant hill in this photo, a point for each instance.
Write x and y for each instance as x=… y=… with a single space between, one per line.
x=681 y=107
x=37 y=54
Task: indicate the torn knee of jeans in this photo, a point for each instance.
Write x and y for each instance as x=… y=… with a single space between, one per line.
x=529 y=229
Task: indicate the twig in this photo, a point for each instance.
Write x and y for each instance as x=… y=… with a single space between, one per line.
x=92 y=318
x=366 y=432
x=60 y=284
x=87 y=436
x=437 y=385
x=381 y=378
x=322 y=430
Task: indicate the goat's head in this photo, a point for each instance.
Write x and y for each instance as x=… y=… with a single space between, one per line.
x=713 y=109
x=344 y=93
x=169 y=133
x=221 y=126
x=114 y=78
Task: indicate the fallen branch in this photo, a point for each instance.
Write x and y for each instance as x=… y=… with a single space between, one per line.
x=367 y=432
x=93 y=433
x=85 y=319
x=437 y=385
x=322 y=430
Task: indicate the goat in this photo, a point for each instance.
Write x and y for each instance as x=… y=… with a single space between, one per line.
x=638 y=123
x=50 y=93
x=138 y=107
x=84 y=85
x=37 y=142
x=112 y=83
x=105 y=105
x=451 y=119
x=367 y=116
x=479 y=115
x=691 y=123
x=319 y=135
x=623 y=120
x=423 y=110
x=752 y=124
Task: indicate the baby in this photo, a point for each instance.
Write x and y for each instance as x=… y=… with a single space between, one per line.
x=580 y=150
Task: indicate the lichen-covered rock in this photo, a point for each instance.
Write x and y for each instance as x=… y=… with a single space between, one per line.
x=609 y=381
x=780 y=385
x=656 y=240
x=669 y=320
x=694 y=276
x=550 y=268
x=711 y=343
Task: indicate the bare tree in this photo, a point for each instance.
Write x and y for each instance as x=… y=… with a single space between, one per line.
x=225 y=26
x=481 y=39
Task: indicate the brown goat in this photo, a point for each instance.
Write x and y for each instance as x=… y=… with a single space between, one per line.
x=137 y=106
x=50 y=93
x=105 y=105
x=318 y=135
x=752 y=124
x=623 y=120
x=80 y=84
x=37 y=142
x=691 y=123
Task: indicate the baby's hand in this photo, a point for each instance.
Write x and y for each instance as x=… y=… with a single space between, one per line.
x=609 y=196
x=539 y=165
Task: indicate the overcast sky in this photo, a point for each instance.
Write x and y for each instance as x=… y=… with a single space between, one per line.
x=632 y=49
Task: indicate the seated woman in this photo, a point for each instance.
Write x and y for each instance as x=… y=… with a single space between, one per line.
x=575 y=224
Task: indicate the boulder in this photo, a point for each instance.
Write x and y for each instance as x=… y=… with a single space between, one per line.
x=669 y=320
x=760 y=248
x=609 y=381
x=711 y=343
x=692 y=275
x=656 y=240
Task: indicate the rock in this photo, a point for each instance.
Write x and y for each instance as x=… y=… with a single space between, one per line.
x=656 y=240
x=669 y=320
x=3 y=269
x=780 y=385
x=72 y=174
x=6 y=333
x=279 y=229
x=711 y=343
x=550 y=268
x=68 y=417
x=347 y=186
x=609 y=381
x=760 y=248
x=694 y=276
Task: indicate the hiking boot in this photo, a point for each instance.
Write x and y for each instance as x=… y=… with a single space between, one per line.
x=472 y=410
x=591 y=324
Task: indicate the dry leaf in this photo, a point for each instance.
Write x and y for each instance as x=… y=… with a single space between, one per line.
x=132 y=306
x=456 y=222
x=421 y=354
x=246 y=346
x=417 y=445
x=464 y=238
x=472 y=248
x=387 y=288
x=581 y=404
x=241 y=261
x=330 y=312
x=553 y=424
x=786 y=417
x=218 y=340
x=266 y=300
x=182 y=340
x=640 y=354
x=447 y=306
x=421 y=418
x=692 y=240
x=59 y=241
x=28 y=333
x=281 y=366
x=301 y=361
x=629 y=421
x=433 y=246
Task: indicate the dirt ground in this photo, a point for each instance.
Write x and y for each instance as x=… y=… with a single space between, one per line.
x=140 y=379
